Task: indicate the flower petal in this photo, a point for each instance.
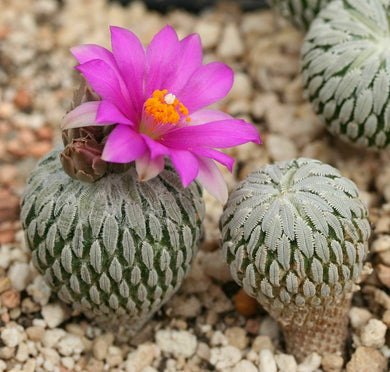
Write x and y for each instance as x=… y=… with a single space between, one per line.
x=129 y=55
x=162 y=55
x=123 y=145
x=207 y=85
x=207 y=116
x=218 y=134
x=108 y=112
x=156 y=148
x=82 y=116
x=186 y=164
x=148 y=168
x=212 y=180
x=88 y=52
x=219 y=156
x=190 y=59
x=103 y=79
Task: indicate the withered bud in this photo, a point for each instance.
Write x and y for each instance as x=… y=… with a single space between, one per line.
x=81 y=157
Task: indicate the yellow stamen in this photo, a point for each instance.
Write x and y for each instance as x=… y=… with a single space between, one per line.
x=165 y=108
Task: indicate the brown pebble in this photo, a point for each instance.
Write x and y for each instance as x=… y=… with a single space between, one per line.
x=252 y=326
x=23 y=100
x=386 y=318
x=5 y=318
x=4 y=31
x=5 y=284
x=15 y=313
x=45 y=133
x=29 y=306
x=7 y=233
x=245 y=304
x=9 y=206
x=332 y=363
x=7 y=352
x=8 y=174
x=35 y=333
x=383 y=273
x=367 y=359
x=39 y=149
x=16 y=148
x=10 y=298
x=95 y=365
x=26 y=136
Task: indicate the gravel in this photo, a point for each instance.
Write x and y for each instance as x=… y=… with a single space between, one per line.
x=209 y=324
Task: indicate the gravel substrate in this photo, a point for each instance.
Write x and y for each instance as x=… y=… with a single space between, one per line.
x=209 y=325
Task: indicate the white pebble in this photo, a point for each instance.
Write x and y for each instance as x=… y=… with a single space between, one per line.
x=209 y=33
x=280 y=148
x=244 y=365
x=242 y=86
x=269 y=327
x=373 y=334
x=218 y=338
x=39 y=291
x=359 y=317
x=310 y=364
x=231 y=44
x=69 y=345
x=224 y=357
x=22 y=353
x=143 y=357
x=51 y=359
x=68 y=362
x=267 y=361
x=286 y=363
x=3 y=366
x=20 y=275
x=52 y=337
x=13 y=336
x=5 y=256
x=177 y=343
x=54 y=314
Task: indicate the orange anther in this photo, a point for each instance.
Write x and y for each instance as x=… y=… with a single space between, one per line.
x=165 y=108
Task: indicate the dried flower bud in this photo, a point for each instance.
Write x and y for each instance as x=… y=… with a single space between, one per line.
x=81 y=158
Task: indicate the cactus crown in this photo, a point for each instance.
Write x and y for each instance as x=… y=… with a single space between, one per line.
x=345 y=67
x=299 y=12
x=294 y=234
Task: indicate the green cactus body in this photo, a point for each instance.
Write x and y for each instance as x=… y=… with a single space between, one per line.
x=299 y=12
x=295 y=237
x=116 y=249
x=346 y=70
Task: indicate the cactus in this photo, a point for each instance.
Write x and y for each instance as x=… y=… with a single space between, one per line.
x=295 y=237
x=345 y=67
x=118 y=248
x=300 y=12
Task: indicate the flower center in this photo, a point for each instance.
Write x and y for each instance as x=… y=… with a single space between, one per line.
x=165 y=108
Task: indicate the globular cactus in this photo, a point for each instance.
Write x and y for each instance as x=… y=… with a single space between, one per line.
x=117 y=248
x=300 y=12
x=295 y=237
x=345 y=67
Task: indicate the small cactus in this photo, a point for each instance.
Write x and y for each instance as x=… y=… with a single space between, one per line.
x=300 y=12
x=345 y=67
x=117 y=248
x=295 y=237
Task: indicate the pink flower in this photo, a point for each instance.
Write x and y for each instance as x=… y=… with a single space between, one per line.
x=157 y=98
